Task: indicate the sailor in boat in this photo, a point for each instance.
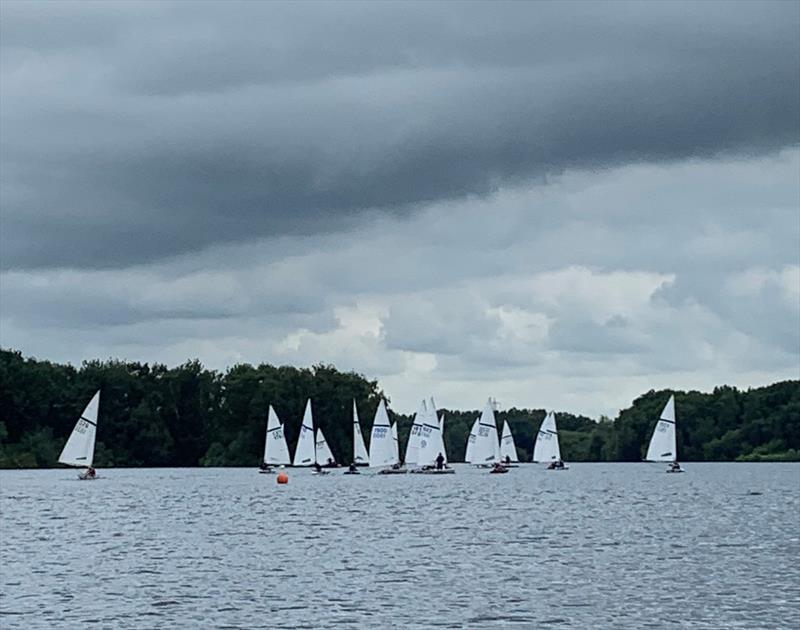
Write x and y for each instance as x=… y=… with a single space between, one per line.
x=265 y=467
x=508 y=460
x=397 y=466
x=317 y=467
x=352 y=468
x=331 y=463
x=440 y=462
x=556 y=465
x=674 y=467
x=498 y=468
x=90 y=473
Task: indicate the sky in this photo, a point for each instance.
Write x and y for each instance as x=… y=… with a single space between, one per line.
x=560 y=205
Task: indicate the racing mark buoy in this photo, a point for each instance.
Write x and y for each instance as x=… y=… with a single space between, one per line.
x=283 y=477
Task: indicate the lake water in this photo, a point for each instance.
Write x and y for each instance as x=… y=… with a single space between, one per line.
x=598 y=546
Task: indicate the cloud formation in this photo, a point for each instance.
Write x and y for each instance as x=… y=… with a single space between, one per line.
x=135 y=131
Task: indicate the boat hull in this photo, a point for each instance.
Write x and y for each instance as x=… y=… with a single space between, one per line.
x=444 y=471
x=393 y=471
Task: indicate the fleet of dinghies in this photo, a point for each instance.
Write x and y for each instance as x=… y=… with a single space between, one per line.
x=425 y=449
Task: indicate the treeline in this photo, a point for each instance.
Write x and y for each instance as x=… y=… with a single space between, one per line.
x=152 y=415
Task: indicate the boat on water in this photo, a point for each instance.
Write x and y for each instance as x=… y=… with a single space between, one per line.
x=547 y=450
x=414 y=436
x=486 y=448
x=79 y=449
x=431 y=455
x=305 y=451
x=360 y=453
x=382 y=446
x=663 y=445
x=276 y=452
x=508 y=448
x=471 y=441
x=323 y=453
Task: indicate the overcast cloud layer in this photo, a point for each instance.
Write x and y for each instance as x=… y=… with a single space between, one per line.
x=561 y=205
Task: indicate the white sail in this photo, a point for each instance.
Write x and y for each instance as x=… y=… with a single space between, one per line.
x=381 y=442
x=79 y=449
x=304 y=453
x=508 y=449
x=322 y=450
x=430 y=443
x=396 y=441
x=360 y=455
x=473 y=432
x=275 y=450
x=442 y=449
x=412 y=447
x=663 y=446
x=546 y=448
x=486 y=448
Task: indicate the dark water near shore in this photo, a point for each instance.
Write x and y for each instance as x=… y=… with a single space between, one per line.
x=598 y=546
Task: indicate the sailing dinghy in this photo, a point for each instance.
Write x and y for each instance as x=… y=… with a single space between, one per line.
x=547 y=448
x=360 y=454
x=431 y=445
x=305 y=451
x=412 y=446
x=276 y=453
x=508 y=448
x=382 y=446
x=486 y=449
x=663 y=444
x=79 y=449
x=323 y=452
x=473 y=432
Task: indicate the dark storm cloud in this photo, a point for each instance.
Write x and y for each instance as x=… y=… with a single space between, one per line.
x=135 y=131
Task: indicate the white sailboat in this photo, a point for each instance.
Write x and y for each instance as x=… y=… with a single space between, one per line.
x=276 y=452
x=508 y=448
x=79 y=449
x=547 y=448
x=473 y=432
x=663 y=444
x=431 y=444
x=305 y=452
x=360 y=454
x=486 y=450
x=382 y=449
x=414 y=437
x=324 y=456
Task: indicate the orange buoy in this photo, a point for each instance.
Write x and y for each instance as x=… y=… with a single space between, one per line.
x=283 y=477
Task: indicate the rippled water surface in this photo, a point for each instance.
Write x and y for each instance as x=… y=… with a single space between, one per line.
x=598 y=546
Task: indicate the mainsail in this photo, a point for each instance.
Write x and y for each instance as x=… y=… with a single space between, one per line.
x=412 y=447
x=663 y=445
x=546 y=448
x=486 y=449
x=381 y=442
x=396 y=441
x=79 y=449
x=304 y=453
x=508 y=449
x=473 y=433
x=360 y=455
x=430 y=443
x=275 y=450
x=322 y=450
